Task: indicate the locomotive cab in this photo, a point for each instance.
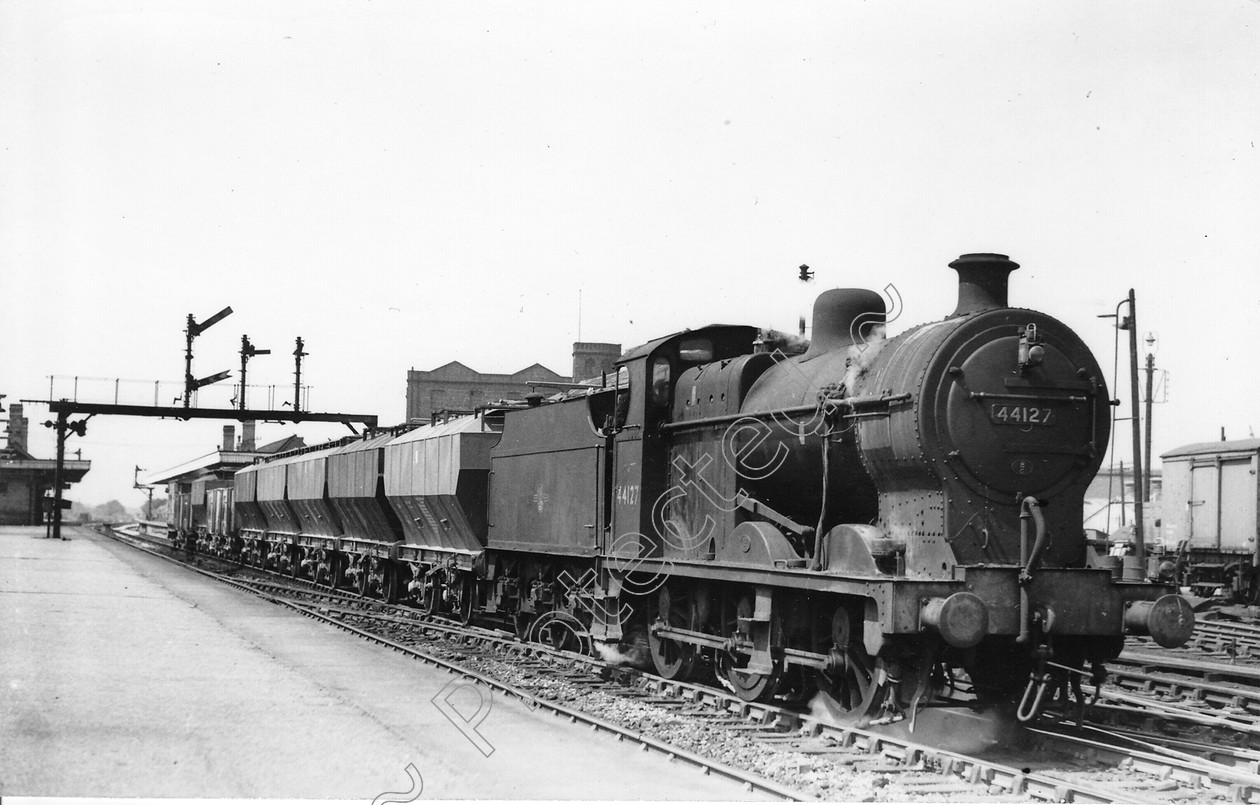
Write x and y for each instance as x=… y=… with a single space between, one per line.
x=640 y=449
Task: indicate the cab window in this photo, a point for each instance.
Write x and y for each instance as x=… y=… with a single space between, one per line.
x=660 y=381
x=695 y=350
x=608 y=407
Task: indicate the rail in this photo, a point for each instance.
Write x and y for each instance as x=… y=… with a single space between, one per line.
x=777 y=725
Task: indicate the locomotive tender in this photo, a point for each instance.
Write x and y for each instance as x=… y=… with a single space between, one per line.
x=860 y=519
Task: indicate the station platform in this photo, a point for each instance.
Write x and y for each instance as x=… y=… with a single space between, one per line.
x=122 y=675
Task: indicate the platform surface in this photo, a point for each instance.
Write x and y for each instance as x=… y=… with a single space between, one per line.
x=122 y=675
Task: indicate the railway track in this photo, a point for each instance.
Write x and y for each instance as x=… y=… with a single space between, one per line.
x=1208 y=689
x=1209 y=710
x=1107 y=756
x=1230 y=638
x=782 y=752
x=1221 y=640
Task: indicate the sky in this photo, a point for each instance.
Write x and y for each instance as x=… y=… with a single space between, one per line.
x=405 y=184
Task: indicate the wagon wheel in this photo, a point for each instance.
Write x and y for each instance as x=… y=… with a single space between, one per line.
x=747 y=686
x=523 y=621
x=561 y=631
x=851 y=682
x=336 y=570
x=364 y=583
x=672 y=660
x=466 y=597
x=392 y=586
x=431 y=596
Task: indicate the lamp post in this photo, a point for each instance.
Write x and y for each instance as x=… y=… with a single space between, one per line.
x=1129 y=322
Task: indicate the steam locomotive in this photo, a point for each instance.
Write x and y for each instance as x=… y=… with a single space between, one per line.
x=865 y=518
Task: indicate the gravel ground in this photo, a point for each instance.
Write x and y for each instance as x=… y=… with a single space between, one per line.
x=813 y=774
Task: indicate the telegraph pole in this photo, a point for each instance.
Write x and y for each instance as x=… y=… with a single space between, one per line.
x=1139 y=537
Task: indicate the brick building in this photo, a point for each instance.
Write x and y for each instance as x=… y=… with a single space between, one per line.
x=591 y=358
x=214 y=469
x=24 y=478
x=456 y=387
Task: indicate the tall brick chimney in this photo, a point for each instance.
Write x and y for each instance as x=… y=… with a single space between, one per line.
x=229 y=438
x=17 y=428
x=247 y=436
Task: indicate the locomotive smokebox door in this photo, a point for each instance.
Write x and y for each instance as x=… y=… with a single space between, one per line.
x=1017 y=427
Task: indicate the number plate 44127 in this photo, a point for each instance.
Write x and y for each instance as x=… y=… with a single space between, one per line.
x=1021 y=415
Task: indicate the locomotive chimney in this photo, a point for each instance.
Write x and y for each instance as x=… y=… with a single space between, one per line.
x=982 y=280
x=842 y=317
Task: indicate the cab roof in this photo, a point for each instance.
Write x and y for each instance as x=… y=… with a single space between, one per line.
x=712 y=330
